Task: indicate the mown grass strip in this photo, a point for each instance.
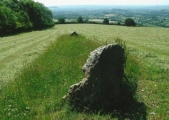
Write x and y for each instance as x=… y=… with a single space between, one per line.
x=27 y=45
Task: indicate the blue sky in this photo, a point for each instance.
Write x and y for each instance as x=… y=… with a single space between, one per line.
x=103 y=2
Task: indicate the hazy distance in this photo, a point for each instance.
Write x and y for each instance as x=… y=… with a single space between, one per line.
x=102 y=2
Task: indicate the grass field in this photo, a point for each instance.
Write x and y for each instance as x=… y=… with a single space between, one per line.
x=149 y=45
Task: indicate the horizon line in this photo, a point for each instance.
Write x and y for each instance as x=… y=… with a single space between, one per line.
x=107 y=5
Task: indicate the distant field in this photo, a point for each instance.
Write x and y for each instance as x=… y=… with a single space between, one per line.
x=101 y=21
x=149 y=43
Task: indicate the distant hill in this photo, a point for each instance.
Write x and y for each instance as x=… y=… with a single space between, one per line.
x=142 y=15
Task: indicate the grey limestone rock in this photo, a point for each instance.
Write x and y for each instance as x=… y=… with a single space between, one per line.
x=74 y=33
x=104 y=70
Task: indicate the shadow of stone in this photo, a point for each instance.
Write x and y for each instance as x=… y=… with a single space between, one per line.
x=132 y=110
x=125 y=107
x=121 y=109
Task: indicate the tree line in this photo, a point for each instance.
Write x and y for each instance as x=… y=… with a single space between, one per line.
x=128 y=21
x=22 y=15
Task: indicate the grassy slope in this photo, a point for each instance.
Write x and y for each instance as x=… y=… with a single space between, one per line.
x=37 y=92
x=149 y=44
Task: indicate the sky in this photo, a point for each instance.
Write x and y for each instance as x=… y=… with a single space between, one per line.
x=102 y=2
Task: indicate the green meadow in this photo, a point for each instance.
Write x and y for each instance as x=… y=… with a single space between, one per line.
x=37 y=68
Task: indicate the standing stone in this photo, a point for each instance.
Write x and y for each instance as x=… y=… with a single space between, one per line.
x=104 y=70
x=74 y=33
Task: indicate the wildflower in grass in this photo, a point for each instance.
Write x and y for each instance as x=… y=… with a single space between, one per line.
x=27 y=109
x=9 y=114
x=152 y=113
x=9 y=105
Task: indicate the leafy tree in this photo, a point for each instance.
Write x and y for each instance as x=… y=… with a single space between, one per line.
x=106 y=21
x=80 y=19
x=130 y=22
x=23 y=15
x=86 y=20
x=118 y=23
x=7 y=21
x=39 y=15
x=13 y=4
x=61 y=20
x=22 y=21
